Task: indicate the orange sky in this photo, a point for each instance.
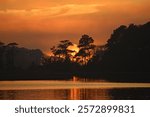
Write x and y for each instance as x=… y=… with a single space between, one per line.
x=43 y=23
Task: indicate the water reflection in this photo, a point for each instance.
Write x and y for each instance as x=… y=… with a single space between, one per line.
x=86 y=94
x=72 y=90
x=67 y=94
x=79 y=79
x=79 y=94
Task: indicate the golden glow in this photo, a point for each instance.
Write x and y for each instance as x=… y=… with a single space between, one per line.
x=74 y=48
x=42 y=23
x=48 y=53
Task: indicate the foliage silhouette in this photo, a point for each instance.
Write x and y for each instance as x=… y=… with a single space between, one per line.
x=86 y=49
x=126 y=52
x=2 y=45
x=62 y=50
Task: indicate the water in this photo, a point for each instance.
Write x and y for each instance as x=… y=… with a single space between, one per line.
x=74 y=89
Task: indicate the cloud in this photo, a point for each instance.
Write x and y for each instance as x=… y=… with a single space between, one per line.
x=82 y=9
x=42 y=27
x=69 y=9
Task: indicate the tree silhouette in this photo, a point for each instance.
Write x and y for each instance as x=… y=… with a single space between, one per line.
x=1 y=44
x=2 y=48
x=128 y=49
x=11 y=55
x=86 y=49
x=12 y=44
x=62 y=51
x=115 y=37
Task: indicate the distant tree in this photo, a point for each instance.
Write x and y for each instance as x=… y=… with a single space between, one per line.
x=1 y=44
x=1 y=54
x=99 y=52
x=12 y=44
x=86 y=49
x=61 y=50
x=11 y=55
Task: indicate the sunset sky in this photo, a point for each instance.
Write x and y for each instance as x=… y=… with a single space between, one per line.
x=43 y=23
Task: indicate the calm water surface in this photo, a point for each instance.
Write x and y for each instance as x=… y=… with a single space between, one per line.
x=73 y=89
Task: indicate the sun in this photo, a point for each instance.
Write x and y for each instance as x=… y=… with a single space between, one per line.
x=74 y=48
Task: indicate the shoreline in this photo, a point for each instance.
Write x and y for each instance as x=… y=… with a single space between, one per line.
x=142 y=77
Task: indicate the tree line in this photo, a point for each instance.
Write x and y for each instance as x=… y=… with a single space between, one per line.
x=127 y=50
x=13 y=57
x=9 y=55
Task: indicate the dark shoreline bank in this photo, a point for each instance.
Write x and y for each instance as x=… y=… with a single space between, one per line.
x=142 y=77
